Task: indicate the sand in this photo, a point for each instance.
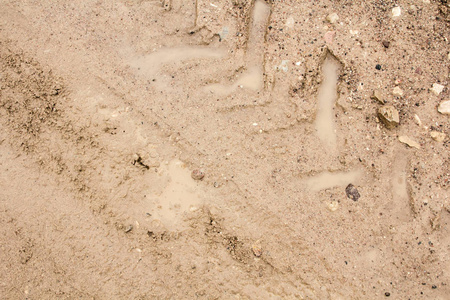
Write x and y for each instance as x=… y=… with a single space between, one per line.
x=106 y=107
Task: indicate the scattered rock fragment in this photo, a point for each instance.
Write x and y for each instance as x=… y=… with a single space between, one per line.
x=386 y=44
x=332 y=18
x=128 y=228
x=376 y=95
x=437 y=88
x=444 y=107
x=417 y=120
x=333 y=205
x=396 y=12
x=352 y=192
x=398 y=92
x=389 y=116
x=408 y=141
x=438 y=136
x=198 y=174
x=257 y=248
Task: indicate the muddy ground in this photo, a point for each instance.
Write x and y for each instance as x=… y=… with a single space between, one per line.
x=106 y=107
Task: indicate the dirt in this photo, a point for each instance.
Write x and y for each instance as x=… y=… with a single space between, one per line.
x=107 y=108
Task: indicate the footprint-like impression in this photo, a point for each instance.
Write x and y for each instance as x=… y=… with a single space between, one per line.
x=252 y=79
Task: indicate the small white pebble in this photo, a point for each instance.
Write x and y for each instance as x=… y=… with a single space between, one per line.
x=418 y=121
x=333 y=205
x=290 y=22
x=255 y=124
x=332 y=18
x=444 y=107
x=354 y=32
x=438 y=136
x=437 y=88
x=396 y=11
x=397 y=91
x=408 y=141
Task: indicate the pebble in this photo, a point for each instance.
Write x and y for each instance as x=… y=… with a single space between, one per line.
x=437 y=88
x=333 y=205
x=198 y=174
x=378 y=67
x=128 y=228
x=386 y=44
x=417 y=120
x=257 y=249
x=352 y=192
x=389 y=116
x=290 y=22
x=397 y=92
x=396 y=11
x=376 y=95
x=438 y=136
x=408 y=141
x=444 y=107
x=332 y=18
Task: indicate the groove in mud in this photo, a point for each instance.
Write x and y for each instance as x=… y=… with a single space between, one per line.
x=327 y=180
x=326 y=99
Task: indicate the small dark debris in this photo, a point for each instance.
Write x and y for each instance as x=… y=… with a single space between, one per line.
x=139 y=162
x=352 y=192
x=386 y=44
x=129 y=228
x=434 y=287
x=378 y=67
x=387 y=294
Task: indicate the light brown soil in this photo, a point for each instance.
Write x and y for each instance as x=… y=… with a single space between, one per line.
x=106 y=107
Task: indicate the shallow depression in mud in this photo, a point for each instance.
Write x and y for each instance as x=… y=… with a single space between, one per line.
x=149 y=65
x=326 y=99
x=180 y=195
x=327 y=180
